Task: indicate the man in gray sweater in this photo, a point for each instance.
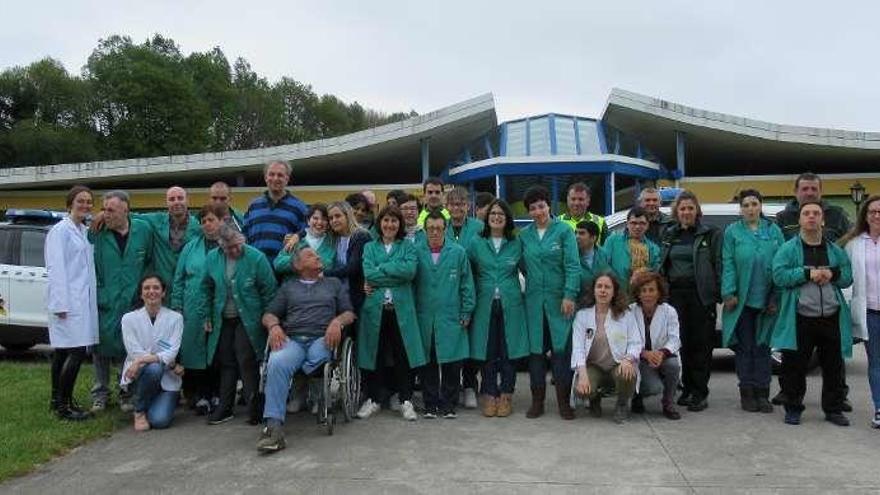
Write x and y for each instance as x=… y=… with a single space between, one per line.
x=305 y=322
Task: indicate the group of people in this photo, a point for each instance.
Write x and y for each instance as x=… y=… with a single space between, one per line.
x=436 y=298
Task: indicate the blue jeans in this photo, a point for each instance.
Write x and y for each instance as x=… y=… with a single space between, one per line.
x=872 y=347
x=158 y=404
x=752 y=360
x=560 y=363
x=497 y=362
x=306 y=353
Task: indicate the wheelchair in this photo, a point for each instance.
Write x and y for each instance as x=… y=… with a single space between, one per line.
x=340 y=383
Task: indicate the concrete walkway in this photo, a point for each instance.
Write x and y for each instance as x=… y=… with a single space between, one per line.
x=720 y=450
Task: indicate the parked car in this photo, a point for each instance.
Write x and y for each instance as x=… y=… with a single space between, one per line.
x=716 y=214
x=23 y=278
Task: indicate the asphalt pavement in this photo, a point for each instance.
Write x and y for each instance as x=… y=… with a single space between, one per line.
x=720 y=450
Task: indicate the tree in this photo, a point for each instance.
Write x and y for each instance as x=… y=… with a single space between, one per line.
x=147 y=102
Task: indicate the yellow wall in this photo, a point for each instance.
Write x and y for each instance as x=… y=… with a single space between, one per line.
x=723 y=189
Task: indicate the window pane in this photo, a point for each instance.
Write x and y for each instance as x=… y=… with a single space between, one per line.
x=516 y=139
x=588 y=136
x=6 y=246
x=539 y=137
x=565 y=144
x=32 y=248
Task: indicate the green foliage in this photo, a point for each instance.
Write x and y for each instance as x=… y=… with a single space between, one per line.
x=140 y=100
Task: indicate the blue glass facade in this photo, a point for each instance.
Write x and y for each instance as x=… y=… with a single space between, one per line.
x=557 y=150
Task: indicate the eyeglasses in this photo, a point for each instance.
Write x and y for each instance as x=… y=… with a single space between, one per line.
x=874 y=212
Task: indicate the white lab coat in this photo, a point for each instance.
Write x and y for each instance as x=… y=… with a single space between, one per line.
x=71 y=287
x=855 y=248
x=664 y=327
x=162 y=338
x=623 y=338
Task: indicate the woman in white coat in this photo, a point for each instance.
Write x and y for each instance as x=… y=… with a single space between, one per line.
x=605 y=346
x=659 y=367
x=71 y=300
x=862 y=245
x=151 y=336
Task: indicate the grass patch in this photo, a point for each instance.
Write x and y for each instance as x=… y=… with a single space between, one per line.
x=31 y=435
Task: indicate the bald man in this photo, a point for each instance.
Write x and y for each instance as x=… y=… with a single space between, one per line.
x=220 y=194
x=172 y=229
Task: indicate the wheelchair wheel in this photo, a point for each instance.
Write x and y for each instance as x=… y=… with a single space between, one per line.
x=351 y=381
x=327 y=406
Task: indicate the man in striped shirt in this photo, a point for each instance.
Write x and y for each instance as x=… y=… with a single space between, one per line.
x=275 y=213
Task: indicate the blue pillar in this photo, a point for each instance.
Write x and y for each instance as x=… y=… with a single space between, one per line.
x=488 y=146
x=609 y=193
x=426 y=156
x=680 y=149
x=554 y=194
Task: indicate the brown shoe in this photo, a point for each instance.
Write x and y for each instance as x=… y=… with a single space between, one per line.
x=563 y=393
x=537 y=408
x=490 y=406
x=140 y=422
x=505 y=407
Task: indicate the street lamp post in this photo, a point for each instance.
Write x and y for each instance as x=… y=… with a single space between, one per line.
x=857 y=193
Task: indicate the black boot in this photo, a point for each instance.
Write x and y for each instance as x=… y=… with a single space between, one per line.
x=537 y=408
x=563 y=394
x=747 y=399
x=67 y=408
x=762 y=396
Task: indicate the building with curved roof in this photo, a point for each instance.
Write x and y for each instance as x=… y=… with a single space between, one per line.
x=637 y=141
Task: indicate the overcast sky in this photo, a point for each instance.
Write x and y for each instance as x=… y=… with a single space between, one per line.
x=782 y=62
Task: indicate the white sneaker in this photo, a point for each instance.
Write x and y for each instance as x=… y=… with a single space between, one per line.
x=393 y=403
x=470 y=398
x=875 y=423
x=408 y=411
x=368 y=408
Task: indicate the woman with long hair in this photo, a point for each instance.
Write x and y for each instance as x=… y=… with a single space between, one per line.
x=862 y=244
x=71 y=299
x=350 y=240
x=605 y=346
x=498 y=334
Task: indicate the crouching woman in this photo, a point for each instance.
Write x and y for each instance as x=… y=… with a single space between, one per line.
x=151 y=336
x=605 y=346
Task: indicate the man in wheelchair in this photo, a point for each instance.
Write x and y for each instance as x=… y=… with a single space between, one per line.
x=305 y=322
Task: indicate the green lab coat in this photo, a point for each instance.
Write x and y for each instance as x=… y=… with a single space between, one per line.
x=617 y=249
x=741 y=246
x=188 y=297
x=444 y=297
x=588 y=272
x=499 y=270
x=394 y=270
x=326 y=251
x=118 y=275
x=553 y=272
x=253 y=286
x=788 y=275
x=165 y=258
x=471 y=229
